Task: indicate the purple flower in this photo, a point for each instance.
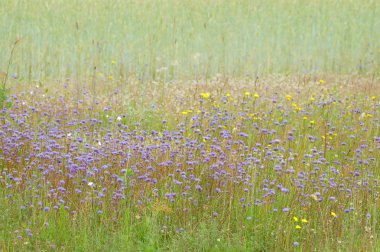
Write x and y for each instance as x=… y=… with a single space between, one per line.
x=61 y=189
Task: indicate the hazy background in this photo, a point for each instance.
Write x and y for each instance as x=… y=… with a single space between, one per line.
x=188 y=39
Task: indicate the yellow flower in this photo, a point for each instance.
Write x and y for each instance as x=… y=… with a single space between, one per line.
x=295 y=219
x=256 y=95
x=247 y=93
x=304 y=221
x=321 y=81
x=205 y=95
x=113 y=62
x=110 y=77
x=333 y=214
x=288 y=97
x=373 y=98
x=298 y=227
x=189 y=111
x=296 y=107
x=228 y=94
x=184 y=112
x=198 y=111
x=312 y=98
x=312 y=122
x=305 y=117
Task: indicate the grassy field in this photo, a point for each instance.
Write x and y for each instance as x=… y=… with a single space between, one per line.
x=189 y=126
x=197 y=39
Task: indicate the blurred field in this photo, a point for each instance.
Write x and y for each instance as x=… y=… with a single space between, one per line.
x=191 y=39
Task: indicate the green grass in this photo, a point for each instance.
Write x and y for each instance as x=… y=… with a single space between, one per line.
x=172 y=39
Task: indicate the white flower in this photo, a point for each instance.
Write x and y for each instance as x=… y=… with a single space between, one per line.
x=91 y=184
x=362 y=116
x=118 y=118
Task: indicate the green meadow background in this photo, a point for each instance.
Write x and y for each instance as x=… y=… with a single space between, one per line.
x=173 y=39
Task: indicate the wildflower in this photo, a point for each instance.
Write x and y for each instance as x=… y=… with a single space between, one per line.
x=118 y=118
x=184 y=112
x=298 y=227
x=373 y=98
x=198 y=188
x=296 y=243
x=205 y=95
x=295 y=219
x=256 y=95
x=113 y=62
x=110 y=77
x=312 y=122
x=247 y=93
x=296 y=107
x=312 y=99
x=321 y=81
x=305 y=117
x=288 y=97
x=362 y=115
x=333 y=214
x=304 y=221
x=228 y=94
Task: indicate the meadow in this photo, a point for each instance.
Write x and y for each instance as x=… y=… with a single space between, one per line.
x=189 y=126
